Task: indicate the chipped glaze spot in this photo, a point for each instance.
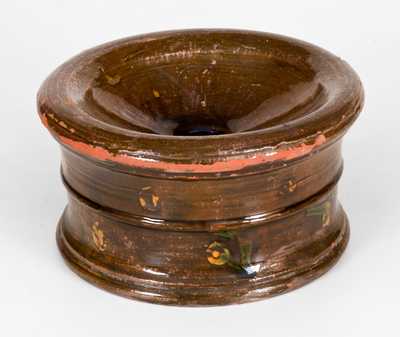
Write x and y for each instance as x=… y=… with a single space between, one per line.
x=44 y=120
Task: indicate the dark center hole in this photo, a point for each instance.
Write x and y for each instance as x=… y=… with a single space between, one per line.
x=189 y=129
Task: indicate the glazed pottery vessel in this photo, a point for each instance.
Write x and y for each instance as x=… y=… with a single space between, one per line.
x=201 y=165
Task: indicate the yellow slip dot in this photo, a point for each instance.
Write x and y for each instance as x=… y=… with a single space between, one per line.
x=216 y=254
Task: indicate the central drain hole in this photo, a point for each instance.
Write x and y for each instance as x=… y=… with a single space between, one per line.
x=198 y=130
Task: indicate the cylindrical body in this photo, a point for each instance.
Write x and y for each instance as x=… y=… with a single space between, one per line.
x=154 y=237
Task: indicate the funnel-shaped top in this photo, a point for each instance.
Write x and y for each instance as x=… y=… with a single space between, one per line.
x=191 y=96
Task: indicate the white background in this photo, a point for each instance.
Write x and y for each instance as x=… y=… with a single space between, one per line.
x=39 y=296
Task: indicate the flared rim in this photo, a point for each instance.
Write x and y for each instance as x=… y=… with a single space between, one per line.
x=61 y=110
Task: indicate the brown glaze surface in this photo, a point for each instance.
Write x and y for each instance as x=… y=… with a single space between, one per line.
x=201 y=165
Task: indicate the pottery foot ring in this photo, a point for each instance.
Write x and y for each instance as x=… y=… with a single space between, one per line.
x=180 y=195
